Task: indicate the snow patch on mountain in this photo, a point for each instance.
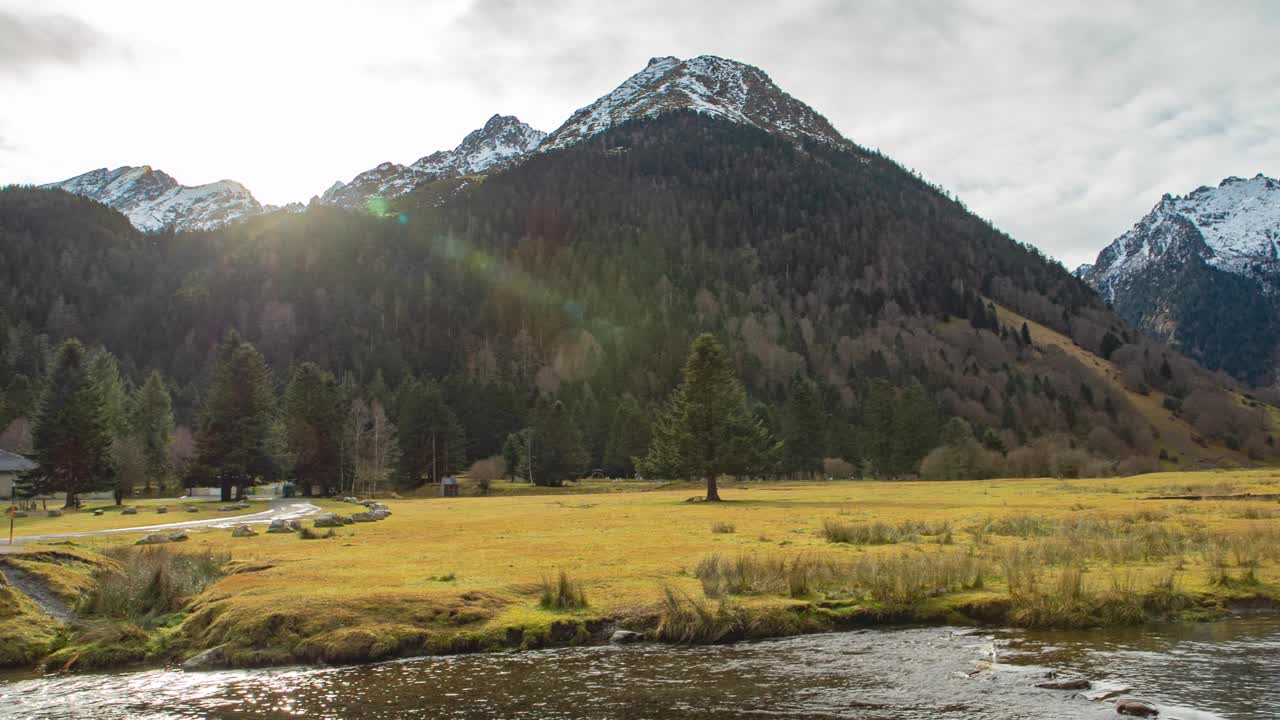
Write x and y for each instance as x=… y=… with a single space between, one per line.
x=706 y=84
x=153 y=200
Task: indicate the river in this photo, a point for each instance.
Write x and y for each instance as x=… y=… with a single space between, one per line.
x=1213 y=671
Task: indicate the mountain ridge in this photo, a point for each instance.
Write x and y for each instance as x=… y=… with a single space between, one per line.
x=1197 y=264
x=153 y=200
x=500 y=141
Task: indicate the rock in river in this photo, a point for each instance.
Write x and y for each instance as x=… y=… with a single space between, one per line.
x=210 y=659
x=625 y=637
x=1067 y=685
x=1136 y=708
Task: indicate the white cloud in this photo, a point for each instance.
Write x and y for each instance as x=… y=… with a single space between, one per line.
x=1062 y=125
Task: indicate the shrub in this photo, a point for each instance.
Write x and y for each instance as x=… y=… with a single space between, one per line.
x=307 y=533
x=563 y=594
x=838 y=468
x=1137 y=465
x=863 y=533
x=146 y=583
x=689 y=621
x=484 y=472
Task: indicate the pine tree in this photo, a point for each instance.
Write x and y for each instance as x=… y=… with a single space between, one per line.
x=877 y=427
x=115 y=394
x=432 y=440
x=803 y=430
x=1025 y=335
x=71 y=441
x=313 y=428
x=513 y=453
x=557 y=451
x=706 y=429
x=628 y=438
x=915 y=429
x=238 y=430
x=153 y=426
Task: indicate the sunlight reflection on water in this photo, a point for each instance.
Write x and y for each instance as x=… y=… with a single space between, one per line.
x=1197 y=672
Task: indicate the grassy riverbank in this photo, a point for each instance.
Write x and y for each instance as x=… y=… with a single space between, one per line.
x=448 y=575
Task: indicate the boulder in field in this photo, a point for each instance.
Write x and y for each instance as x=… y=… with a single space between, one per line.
x=327 y=520
x=154 y=539
x=279 y=526
x=362 y=517
x=20 y=513
x=178 y=536
x=162 y=510
x=131 y=510
x=54 y=513
x=228 y=508
x=295 y=525
x=346 y=520
x=244 y=531
x=98 y=513
x=193 y=509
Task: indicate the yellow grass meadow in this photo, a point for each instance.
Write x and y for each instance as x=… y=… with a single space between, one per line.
x=459 y=574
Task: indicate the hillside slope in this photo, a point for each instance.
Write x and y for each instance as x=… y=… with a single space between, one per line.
x=585 y=273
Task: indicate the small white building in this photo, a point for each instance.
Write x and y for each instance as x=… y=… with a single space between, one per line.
x=11 y=465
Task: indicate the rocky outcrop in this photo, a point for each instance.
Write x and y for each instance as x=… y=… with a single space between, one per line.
x=212 y=659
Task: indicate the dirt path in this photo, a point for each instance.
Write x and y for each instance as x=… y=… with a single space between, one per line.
x=279 y=510
x=38 y=593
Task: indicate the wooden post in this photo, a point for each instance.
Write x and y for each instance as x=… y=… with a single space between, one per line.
x=13 y=514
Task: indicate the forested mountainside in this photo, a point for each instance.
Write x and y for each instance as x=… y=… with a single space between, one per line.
x=856 y=300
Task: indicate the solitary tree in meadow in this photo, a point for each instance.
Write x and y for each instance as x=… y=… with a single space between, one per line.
x=707 y=429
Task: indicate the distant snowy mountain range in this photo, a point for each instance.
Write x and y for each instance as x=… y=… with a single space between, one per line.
x=1202 y=272
x=153 y=200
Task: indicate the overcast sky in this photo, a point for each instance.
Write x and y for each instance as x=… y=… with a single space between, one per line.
x=1063 y=125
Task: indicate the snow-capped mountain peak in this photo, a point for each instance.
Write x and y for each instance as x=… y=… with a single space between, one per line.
x=502 y=140
x=1234 y=227
x=153 y=200
x=707 y=84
